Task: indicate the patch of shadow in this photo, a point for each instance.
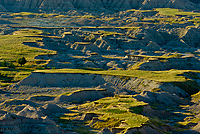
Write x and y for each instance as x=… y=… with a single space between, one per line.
x=137 y=110
x=191 y=87
x=6 y=22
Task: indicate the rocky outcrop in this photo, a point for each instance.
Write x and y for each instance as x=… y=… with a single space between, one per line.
x=31 y=112
x=64 y=5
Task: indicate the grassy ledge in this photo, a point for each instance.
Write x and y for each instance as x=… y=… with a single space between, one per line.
x=176 y=77
x=160 y=76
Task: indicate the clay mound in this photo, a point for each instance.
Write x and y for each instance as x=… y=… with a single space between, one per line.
x=19 y=108
x=2 y=112
x=188 y=132
x=31 y=112
x=154 y=65
x=184 y=63
x=53 y=108
x=84 y=46
x=62 y=80
x=191 y=37
x=148 y=111
x=109 y=89
x=8 y=116
x=5 y=21
x=88 y=116
x=197 y=127
x=165 y=99
x=145 y=129
x=105 y=131
x=17 y=102
x=153 y=46
x=79 y=96
x=176 y=43
x=196 y=109
x=11 y=123
x=103 y=44
x=2 y=9
x=41 y=98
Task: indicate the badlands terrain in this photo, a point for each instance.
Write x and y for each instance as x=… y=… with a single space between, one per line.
x=100 y=66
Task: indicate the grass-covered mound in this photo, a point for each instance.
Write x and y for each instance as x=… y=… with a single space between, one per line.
x=121 y=112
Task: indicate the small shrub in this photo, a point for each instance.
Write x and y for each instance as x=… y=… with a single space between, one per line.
x=4 y=63
x=22 y=61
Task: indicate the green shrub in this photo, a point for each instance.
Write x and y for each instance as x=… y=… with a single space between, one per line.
x=22 y=61
x=4 y=63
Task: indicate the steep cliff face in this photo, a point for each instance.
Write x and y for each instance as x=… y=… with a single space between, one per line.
x=64 y=5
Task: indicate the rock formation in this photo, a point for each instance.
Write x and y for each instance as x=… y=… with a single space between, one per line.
x=65 y=5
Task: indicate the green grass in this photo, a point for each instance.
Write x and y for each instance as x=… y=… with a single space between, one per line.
x=187 y=121
x=12 y=48
x=10 y=75
x=160 y=76
x=107 y=33
x=35 y=15
x=173 y=12
x=134 y=10
x=130 y=28
x=112 y=112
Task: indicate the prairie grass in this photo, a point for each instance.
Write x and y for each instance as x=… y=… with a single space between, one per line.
x=12 y=48
x=160 y=76
x=174 y=12
x=112 y=112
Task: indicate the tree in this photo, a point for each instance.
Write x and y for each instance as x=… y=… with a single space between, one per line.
x=4 y=63
x=21 y=61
